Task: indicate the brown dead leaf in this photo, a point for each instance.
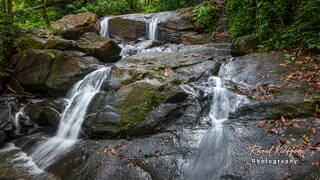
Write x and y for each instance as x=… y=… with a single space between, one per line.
x=113 y=152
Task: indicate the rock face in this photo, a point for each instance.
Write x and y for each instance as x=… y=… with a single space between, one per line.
x=103 y=48
x=127 y=29
x=146 y=94
x=244 y=45
x=52 y=72
x=247 y=72
x=74 y=25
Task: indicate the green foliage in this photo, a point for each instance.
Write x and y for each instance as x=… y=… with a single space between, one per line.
x=241 y=17
x=8 y=34
x=105 y=7
x=280 y=24
x=205 y=17
x=152 y=6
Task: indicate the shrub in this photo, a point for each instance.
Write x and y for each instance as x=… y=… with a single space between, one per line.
x=280 y=24
x=205 y=17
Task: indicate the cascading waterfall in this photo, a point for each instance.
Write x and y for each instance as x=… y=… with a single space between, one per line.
x=212 y=156
x=78 y=100
x=105 y=27
x=153 y=28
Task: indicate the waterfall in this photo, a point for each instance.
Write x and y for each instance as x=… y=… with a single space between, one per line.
x=78 y=100
x=153 y=28
x=220 y=107
x=105 y=27
x=213 y=151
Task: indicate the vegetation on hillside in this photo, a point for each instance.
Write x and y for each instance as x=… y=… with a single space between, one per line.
x=279 y=24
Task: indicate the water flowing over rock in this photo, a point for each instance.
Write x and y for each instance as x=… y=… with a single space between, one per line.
x=105 y=27
x=203 y=167
x=78 y=99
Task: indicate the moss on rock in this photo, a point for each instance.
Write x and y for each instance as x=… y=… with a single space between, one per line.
x=137 y=100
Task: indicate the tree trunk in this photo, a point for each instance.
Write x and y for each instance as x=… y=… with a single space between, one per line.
x=45 y=12
x=9 y=10
x=4 y=7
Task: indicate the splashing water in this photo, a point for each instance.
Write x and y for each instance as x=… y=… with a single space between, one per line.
x=105 y=27
x=78 y=100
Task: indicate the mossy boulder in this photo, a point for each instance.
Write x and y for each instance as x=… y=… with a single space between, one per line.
x=127 y=29
x=102 y=48
x=136 y=109
x=244 y=45
x=138 y=99
x=52 y=72
x=31 y=42
x=59 y=44
x=74 y=25
x=34 y=67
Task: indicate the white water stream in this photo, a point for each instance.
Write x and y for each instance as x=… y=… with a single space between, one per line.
x=105 y=27
x=212 y=155
x=78 y=100
x=153 y=24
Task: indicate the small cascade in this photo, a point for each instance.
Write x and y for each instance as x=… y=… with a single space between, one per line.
x=105 y=27
x=153 y=24
x=78 y=100
x=220 y=107
x=16 y=120
x=213 y=151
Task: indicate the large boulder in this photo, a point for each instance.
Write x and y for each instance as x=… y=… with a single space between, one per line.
x=145 y=92
x=244 y=45
x=137 y=110
x=175 y=28
x=74 y=25
x=46 y=113
x=127 y=29
x=52 y=72
x=102 y=48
